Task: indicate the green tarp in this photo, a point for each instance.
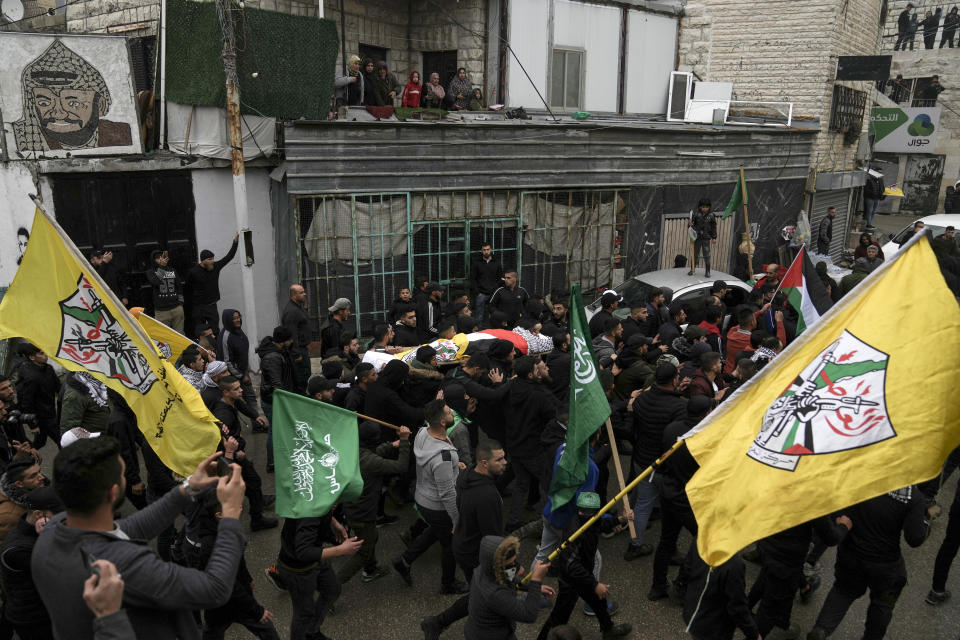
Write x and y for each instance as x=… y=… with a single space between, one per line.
x=293 y=56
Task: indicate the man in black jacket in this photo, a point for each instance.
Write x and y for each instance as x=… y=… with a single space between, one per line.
x=294 y=317
x=276 y=372
x=825 y=232
x=225 y=410
x=304 y=570
x=653 y=410
x=715 y=605
x=869 y=558
x=377 y=460
x=102 y=261
x=203 y=287
x=429 y=313
x=23 y=608
x=609 y=302
x=510 y=299
x=481 y=514
x=332 y=330
x=167 y=291
x=405 y=332
x=873 y=192
x=705 y=224
x=530 y=406
x=904 y=34
x=558 y=323
x=486 y=274
x=37 y=391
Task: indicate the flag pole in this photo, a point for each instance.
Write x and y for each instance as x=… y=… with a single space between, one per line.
x=619 y=468
x=380 y=422
x=746 y=220
x=623 y=492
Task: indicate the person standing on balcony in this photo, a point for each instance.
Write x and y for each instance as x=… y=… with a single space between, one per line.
x=412 y=90
x=486 y=274
x=904 y=30
x=931 y=24
x=371 y=96
x=433 y=93
x=950 y=24
x=461 y=90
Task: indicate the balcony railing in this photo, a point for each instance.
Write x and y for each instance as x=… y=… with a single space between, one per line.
x=916 y=40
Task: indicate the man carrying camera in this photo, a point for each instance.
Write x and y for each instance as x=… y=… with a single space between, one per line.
x=37 y=391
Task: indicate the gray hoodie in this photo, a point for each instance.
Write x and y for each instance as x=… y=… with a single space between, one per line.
x=438 y=466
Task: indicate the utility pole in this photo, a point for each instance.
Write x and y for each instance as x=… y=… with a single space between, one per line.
x=224 y=14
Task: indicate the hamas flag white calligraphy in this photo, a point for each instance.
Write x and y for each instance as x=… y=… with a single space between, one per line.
x=316 y=451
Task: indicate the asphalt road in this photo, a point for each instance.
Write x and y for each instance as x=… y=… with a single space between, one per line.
x=387 y=608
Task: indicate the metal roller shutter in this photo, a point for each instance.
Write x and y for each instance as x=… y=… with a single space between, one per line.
x=674 y=240
x=822 y=200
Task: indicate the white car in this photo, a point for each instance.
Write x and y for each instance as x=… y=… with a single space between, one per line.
x=937 y=224
x=677 y=286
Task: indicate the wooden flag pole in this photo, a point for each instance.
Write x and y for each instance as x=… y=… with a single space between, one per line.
x=380 y=422
x=619 y=468
x=623 y=492
x=746 y=222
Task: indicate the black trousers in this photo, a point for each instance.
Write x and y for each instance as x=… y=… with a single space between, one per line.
x=567 y=596
x=774 y=589
x=309 y=610
x=675 y=515
x=902 y=41
x=459 y=609
x=254 y=491
x=217 y=621
x=852 y=578
x=47 y=429
x=439 y=529
x=366 y=557
x=701 y=248
x=527 y=472
x=203 y=314
x=949 y=546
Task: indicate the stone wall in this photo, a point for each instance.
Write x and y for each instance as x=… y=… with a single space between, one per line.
x=782 y=50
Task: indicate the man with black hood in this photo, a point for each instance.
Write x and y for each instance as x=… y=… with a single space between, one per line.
x=653 y=410
x=167 y=291
x=488 y=386
x=233 y=348
x=384 y=401
x=481 y=514
x=494 y=609
x=529 y=408
x=423 y=380
x=276 y=372
x=203 y=287
x=377 y=460
x=558 y=365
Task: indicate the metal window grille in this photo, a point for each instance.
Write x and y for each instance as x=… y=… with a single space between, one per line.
x=365 y=247
x=847 y=112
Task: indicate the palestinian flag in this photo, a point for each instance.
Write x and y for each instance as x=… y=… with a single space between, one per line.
x=805 y=291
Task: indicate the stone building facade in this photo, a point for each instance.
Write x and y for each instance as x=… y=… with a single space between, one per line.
x=784 y=50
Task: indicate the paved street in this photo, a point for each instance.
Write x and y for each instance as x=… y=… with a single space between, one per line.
x=389 y=609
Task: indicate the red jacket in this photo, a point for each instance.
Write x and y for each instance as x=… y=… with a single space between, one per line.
x=412 y=91
x=737 y=341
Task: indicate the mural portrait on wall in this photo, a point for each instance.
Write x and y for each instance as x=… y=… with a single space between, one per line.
x=68 y=100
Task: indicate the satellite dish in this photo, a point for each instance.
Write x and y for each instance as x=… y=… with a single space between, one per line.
x=12 y=10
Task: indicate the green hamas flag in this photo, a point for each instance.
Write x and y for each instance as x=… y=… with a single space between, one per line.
x=588 y=409
x=737 y=200
x=316 y=450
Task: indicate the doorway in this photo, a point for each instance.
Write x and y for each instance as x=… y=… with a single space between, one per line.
x=374 y=53
x=443 y=62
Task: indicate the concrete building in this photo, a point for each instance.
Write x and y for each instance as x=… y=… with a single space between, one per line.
x=358 y=207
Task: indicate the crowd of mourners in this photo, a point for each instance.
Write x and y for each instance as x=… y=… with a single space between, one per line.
x=477 y=440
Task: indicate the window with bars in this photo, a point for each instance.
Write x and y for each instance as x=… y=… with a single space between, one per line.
x=846 y=116
x=566 y=80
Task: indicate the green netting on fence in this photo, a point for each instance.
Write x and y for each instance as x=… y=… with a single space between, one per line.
x=293 y=56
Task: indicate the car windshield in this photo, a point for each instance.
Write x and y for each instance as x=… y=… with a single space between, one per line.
x=634 y=292
x=907 y=233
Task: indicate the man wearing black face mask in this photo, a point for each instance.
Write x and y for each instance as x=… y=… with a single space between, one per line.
x=576 y=564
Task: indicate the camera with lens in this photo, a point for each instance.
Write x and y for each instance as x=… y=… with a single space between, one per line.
x=16 y=424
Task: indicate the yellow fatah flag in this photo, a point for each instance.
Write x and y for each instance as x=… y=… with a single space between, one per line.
x=864 y=404
x=169 y=342
x=58 y=302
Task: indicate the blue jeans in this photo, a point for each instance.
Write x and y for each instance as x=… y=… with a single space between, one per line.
x=645 y=498
x=268 y=412
x=482 y=300
x=870 y=210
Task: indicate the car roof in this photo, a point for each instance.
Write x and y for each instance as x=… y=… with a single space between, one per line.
x=940 y=219
x=677 y=279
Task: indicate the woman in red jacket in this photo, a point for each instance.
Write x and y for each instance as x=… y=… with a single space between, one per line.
x=412 y=91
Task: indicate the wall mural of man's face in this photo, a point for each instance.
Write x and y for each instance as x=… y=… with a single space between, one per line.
x=68 y=115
